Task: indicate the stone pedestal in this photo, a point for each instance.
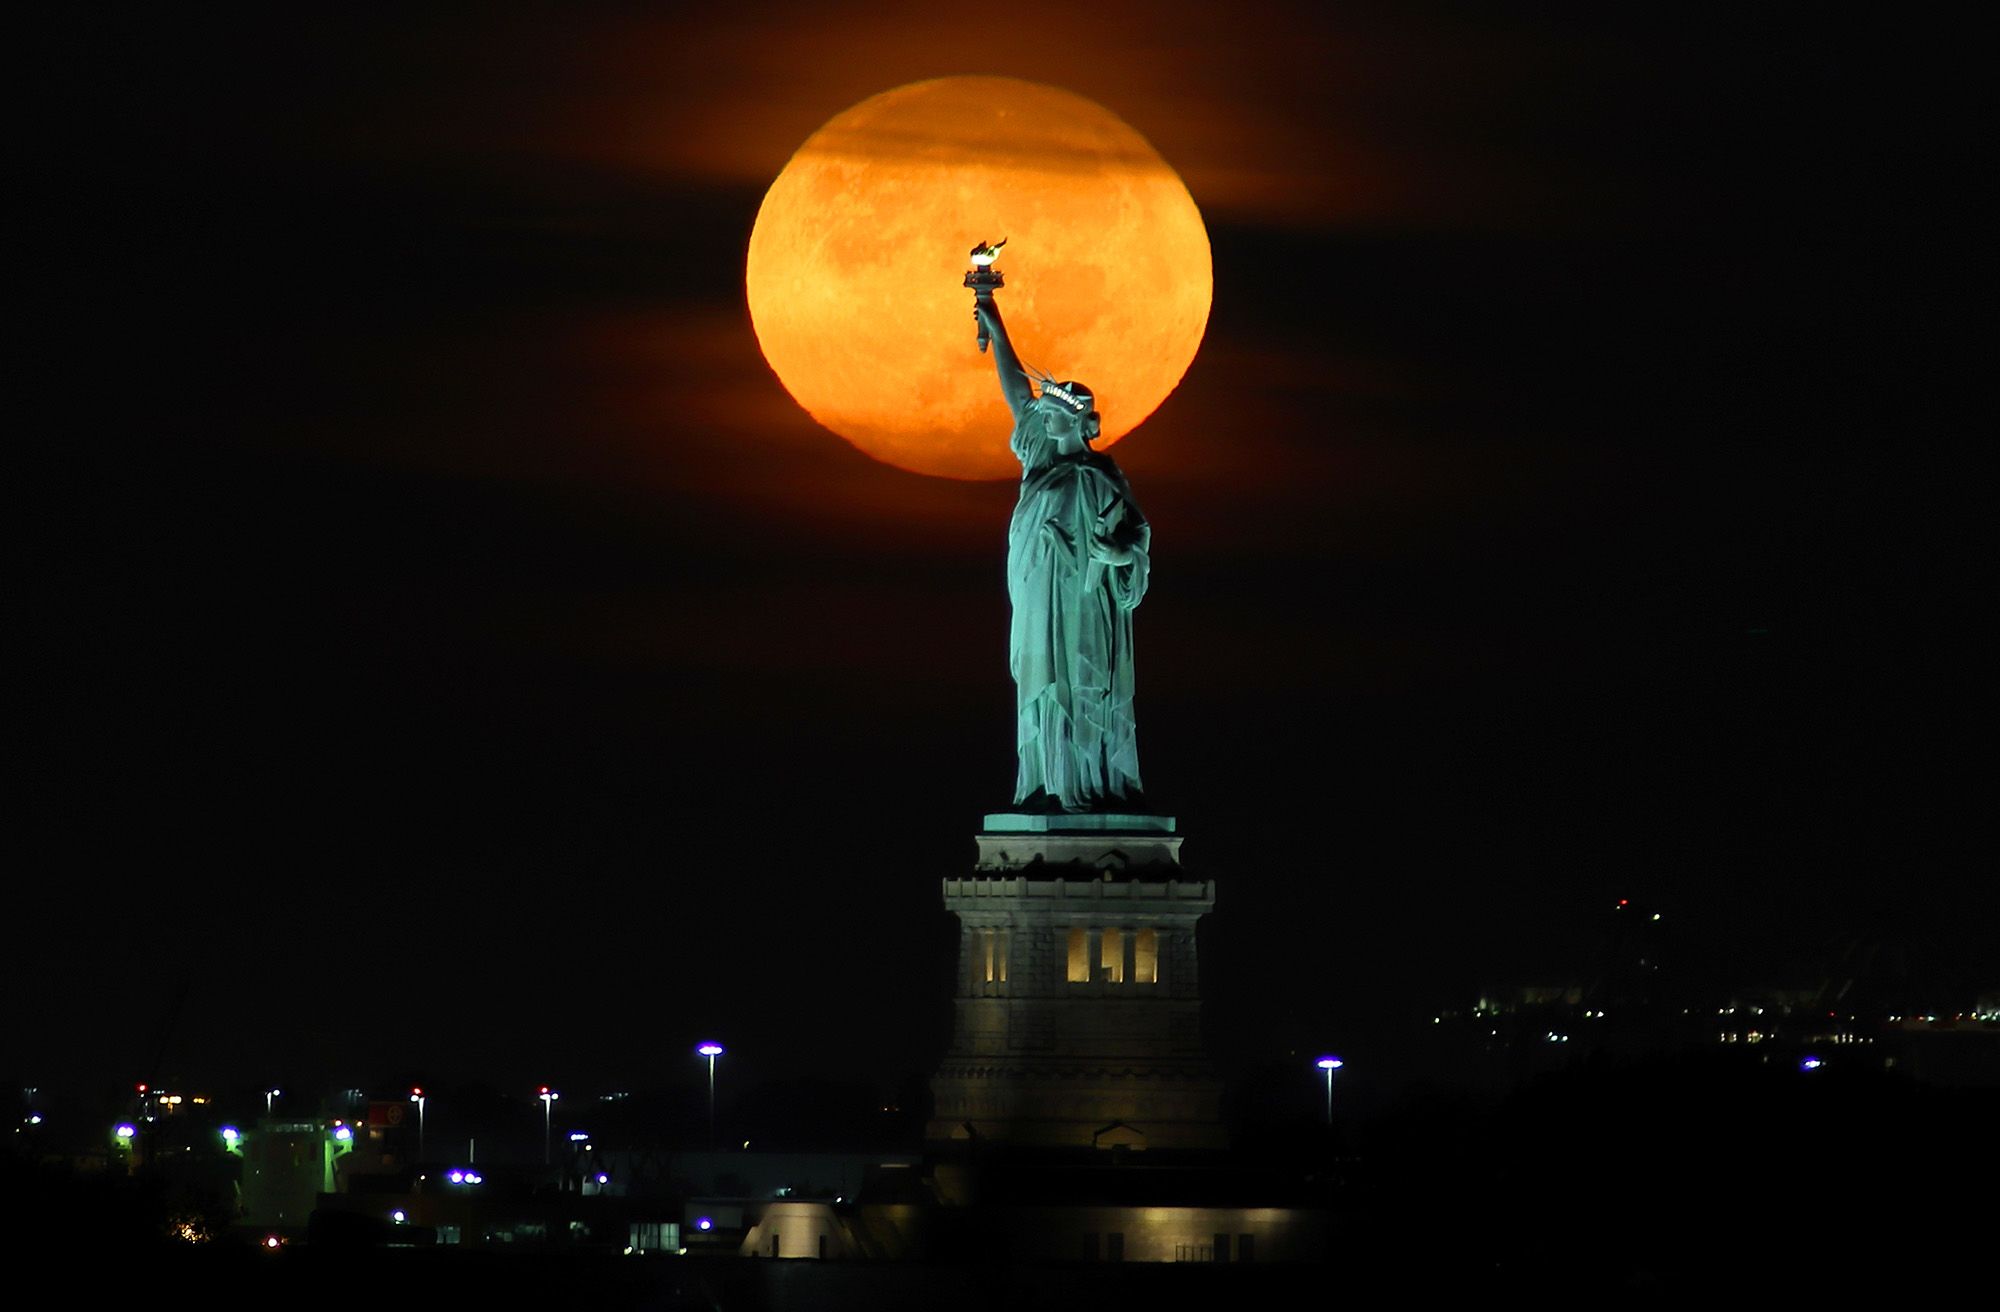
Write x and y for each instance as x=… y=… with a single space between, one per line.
x=1077 y=1016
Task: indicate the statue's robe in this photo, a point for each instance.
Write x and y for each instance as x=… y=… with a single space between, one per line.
x=1071 y=642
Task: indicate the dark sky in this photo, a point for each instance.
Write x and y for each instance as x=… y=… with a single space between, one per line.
x=449 y=650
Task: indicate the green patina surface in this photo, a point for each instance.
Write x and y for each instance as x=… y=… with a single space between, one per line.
x=1077 y=563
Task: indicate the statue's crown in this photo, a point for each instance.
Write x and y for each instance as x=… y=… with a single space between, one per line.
x=1072 y=394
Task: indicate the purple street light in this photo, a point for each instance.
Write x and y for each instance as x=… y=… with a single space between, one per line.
x=711 y=1050
x=1329 y=1065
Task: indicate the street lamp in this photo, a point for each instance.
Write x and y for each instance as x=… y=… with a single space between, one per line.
x=417 y=1097
x=269 y=1094
x=1329 y=1065
x=548 y=1097
x=711 y=1050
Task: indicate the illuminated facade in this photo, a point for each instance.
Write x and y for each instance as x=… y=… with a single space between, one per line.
x=1077 y=1013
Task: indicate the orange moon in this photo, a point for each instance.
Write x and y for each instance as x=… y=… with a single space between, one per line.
x=857 y=256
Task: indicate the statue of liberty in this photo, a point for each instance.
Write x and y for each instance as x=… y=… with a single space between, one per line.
x=1077 y=560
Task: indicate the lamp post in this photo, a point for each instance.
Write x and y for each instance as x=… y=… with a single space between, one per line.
x=270 y=1094
x=548 y=1097
x=417 y=1097
x=1329 y=1065
x=711 y=1050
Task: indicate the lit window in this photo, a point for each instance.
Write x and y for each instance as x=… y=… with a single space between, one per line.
x=989 y=956
x=1112 y=955
x=1079 y=957
x=1146 y=957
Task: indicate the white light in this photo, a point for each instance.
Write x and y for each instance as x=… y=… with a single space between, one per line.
x=399 y=1216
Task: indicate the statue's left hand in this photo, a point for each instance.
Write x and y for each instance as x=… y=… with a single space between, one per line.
x=1110 y=553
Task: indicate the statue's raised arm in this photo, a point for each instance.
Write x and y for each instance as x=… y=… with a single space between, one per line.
x=1013 y=377
x=984 y=280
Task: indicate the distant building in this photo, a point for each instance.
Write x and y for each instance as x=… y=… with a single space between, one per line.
x=287 y=1165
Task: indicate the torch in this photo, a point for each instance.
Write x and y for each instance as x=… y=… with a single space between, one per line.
x=984 y=280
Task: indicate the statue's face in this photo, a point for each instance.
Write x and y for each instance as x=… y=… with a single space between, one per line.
x=1059 y=420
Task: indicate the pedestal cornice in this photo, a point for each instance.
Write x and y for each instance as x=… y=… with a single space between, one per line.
x=1100 y=840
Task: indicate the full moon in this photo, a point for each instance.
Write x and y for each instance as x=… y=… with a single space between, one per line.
x=857 y=256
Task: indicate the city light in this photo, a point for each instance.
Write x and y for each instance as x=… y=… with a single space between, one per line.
x=1329 y=1064
x=343 y=1134
x=1811 y=1064
x=711 y=1050
x=399 y=1216
x=230 y=1134
x=704 y=1223
x=548 y=1097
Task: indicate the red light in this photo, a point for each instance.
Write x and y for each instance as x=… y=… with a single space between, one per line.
x=416 y=1093
x=140 y=1087
x=1624 y=902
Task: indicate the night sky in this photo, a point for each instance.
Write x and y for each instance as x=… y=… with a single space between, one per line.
x=449 y=651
